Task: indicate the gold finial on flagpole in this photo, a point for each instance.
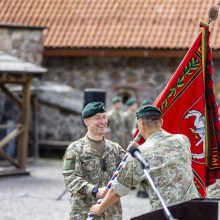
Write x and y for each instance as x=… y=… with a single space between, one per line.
x=213 y=13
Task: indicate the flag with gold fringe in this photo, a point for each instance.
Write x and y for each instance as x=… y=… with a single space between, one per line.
x=189 y=107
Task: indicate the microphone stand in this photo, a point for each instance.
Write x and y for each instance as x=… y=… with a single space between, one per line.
x=145 y=166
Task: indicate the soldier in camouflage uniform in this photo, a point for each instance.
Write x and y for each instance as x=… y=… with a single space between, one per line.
x=169 y=158
x=129 y=119
x=213 y=191
x=115 y=128
x=88 y=165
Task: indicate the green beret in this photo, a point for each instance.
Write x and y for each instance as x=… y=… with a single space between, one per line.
x=130 y=101
x=92 y=109
x=116 y=99
x=147 y=110
x=146 y=102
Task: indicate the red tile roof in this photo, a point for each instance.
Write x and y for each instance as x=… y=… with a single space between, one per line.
x=146 y=24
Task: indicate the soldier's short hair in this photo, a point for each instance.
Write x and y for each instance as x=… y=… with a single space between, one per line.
x=152 y=119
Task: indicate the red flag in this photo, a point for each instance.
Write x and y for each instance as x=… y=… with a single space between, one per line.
x=188 y=107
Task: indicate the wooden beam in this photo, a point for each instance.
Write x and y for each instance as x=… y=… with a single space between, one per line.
x=5 y=126
x=151 y=53
x=35 y=126
x=10 y=137
x=8 y=171
x=10 y=159
x=23 y=140
x=12 y=96
x=111 y=53
x=14 y=78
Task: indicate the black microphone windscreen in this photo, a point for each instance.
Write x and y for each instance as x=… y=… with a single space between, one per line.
x=132 y=150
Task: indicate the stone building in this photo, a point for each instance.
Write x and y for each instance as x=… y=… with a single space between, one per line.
x=127 y=47
x=25 y=42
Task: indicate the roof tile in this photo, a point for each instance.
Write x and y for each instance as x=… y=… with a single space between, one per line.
x=151 y=24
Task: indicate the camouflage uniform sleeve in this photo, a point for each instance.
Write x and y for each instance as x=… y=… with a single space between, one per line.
x=121 y=153
x=186 y=141
x=129 y=176
x=126 y=123
x=72 y=172
x=108 y=130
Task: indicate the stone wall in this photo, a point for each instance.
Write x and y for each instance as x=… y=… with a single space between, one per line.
x=58 y=125
x=59 y=112
x=142 y=77
x=23 y=42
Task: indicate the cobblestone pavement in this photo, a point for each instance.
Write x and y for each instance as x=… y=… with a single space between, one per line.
x=35 y=196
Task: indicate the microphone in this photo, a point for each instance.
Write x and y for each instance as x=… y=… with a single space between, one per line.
x=135 y=152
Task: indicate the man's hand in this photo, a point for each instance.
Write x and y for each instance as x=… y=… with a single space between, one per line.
x=96 y=210
x=132 y=143
x=101 y=193
x=110 y=198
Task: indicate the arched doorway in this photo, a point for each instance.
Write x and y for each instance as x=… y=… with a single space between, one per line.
x=126 y=92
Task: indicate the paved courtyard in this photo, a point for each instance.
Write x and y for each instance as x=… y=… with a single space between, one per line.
x=35 y=196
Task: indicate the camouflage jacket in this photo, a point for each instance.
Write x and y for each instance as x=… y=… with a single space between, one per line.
x=169 y=158
x=116 y=126
x=129 y=121
x=83 y=169
x=213 y=191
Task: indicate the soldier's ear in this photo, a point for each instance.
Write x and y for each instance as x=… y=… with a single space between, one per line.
x=141 y=124
x=85 y=121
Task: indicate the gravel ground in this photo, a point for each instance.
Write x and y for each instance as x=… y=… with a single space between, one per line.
x=35 y=196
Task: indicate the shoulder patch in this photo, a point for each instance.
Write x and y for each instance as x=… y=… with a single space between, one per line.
x=69 y=162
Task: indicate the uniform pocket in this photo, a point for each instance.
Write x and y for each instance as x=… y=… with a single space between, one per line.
x=111 y=164
x=89 y=162
x=89 y=165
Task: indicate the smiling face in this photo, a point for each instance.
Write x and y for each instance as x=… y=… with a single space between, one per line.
x=97 y=124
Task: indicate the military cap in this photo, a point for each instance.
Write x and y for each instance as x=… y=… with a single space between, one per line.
x=146 y=102
x=130 y=101
x=92 y=109
x=147 y=110
x=116 y=99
